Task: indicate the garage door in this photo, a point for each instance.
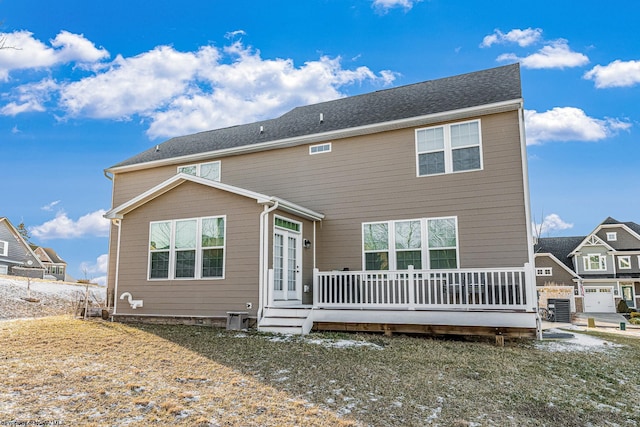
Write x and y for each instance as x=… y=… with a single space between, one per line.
x=599 y=300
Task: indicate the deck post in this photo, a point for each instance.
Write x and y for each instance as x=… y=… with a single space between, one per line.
x=270 y=287
x=316 y=291
x=412 y=289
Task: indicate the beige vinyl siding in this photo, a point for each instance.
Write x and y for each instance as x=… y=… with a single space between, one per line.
x=208 y=297
x=372 y=178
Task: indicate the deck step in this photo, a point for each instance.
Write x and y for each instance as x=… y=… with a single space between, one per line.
x=288 y=321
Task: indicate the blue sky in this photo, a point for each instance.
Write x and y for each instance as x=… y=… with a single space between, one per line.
x=84 y=85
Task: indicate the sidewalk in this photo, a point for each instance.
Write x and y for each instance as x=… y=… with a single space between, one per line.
x=604 y=322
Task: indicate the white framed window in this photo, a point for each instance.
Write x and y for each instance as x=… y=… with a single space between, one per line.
x=4 y=248
x=594 y=262
x=624 y=262
x=191 y=248
x=320 y=148
x=425 y=243
x=210 y=170
x=455 y=147
x=545 y=271
x=612 y=236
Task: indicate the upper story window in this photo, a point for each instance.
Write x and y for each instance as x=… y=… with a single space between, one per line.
x=4 y=248
x=612 y=236
x=545 y=271
x=187 y=248
x=624 y=262
x=449 y=148
x=595 y=262
x=320 y=148
x=210 y=170
x=424 y=243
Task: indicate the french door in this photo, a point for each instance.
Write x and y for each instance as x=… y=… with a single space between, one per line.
x=287 y=261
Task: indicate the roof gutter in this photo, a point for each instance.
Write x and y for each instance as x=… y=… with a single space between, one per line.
x=497 y=107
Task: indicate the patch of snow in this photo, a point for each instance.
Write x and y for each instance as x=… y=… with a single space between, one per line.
x=580 y=342
x=342 y=343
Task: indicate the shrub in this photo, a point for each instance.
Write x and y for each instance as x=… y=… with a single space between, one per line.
x=623 y=307
x=635 y=320
x=635 y=314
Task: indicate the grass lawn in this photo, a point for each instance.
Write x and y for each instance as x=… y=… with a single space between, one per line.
x=101 y=373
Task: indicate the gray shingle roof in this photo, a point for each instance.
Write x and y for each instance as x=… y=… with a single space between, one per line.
x=560 y=247
x=430 y=97
x=632 y=225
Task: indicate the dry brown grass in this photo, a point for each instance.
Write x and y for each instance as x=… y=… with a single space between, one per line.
x=99 y=373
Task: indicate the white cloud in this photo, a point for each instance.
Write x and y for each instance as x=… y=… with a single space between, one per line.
x=91 y=269
x=136 y=85
x=569 y=124
x=50 y=206
x=523 y=38
x=28 y=52
x=551 y=223
x=30 y=97
x=385 y=5
x=557 y=54
x=183 y=92
x=616 y=74
x=63 y=227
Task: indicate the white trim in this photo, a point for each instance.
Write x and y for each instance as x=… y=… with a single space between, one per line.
x=447 y=148
x=198 y=167
x=602 y=262
x=176 y=180
x=424 y=241
x=557 y=261
x=197 y=273
x=320 y=148
x=544 y=271
x=612 y=236
x=486 y=109
x=299 y=254
x=628 y=259
x=4 y=246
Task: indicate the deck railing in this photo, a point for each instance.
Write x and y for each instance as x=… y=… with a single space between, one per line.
x=482 y=289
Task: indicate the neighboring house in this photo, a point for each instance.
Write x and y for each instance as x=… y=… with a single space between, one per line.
x=404 y=209
x=16 y=257
x=601 y=268
x=53 y=263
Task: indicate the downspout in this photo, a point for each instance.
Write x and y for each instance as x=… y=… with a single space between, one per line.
x=264 y=240
x=117 y=223
x=533 y=296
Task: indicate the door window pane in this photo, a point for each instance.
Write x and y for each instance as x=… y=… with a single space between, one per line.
x=377 y=261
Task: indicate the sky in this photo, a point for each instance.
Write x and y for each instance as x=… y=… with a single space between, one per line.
x=85 y=85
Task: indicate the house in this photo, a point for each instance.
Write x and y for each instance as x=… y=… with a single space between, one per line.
x=404 y=209
x=16 y=257
x=597 y=270
x=54 y=265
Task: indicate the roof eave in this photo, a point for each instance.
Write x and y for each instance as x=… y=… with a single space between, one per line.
x=485 y=109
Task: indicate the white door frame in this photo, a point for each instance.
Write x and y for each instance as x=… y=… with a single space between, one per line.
x=287 y=261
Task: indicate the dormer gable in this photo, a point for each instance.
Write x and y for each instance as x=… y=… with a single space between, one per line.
x=591 y=241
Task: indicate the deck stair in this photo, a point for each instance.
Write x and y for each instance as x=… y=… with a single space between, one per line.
x=289 y=321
